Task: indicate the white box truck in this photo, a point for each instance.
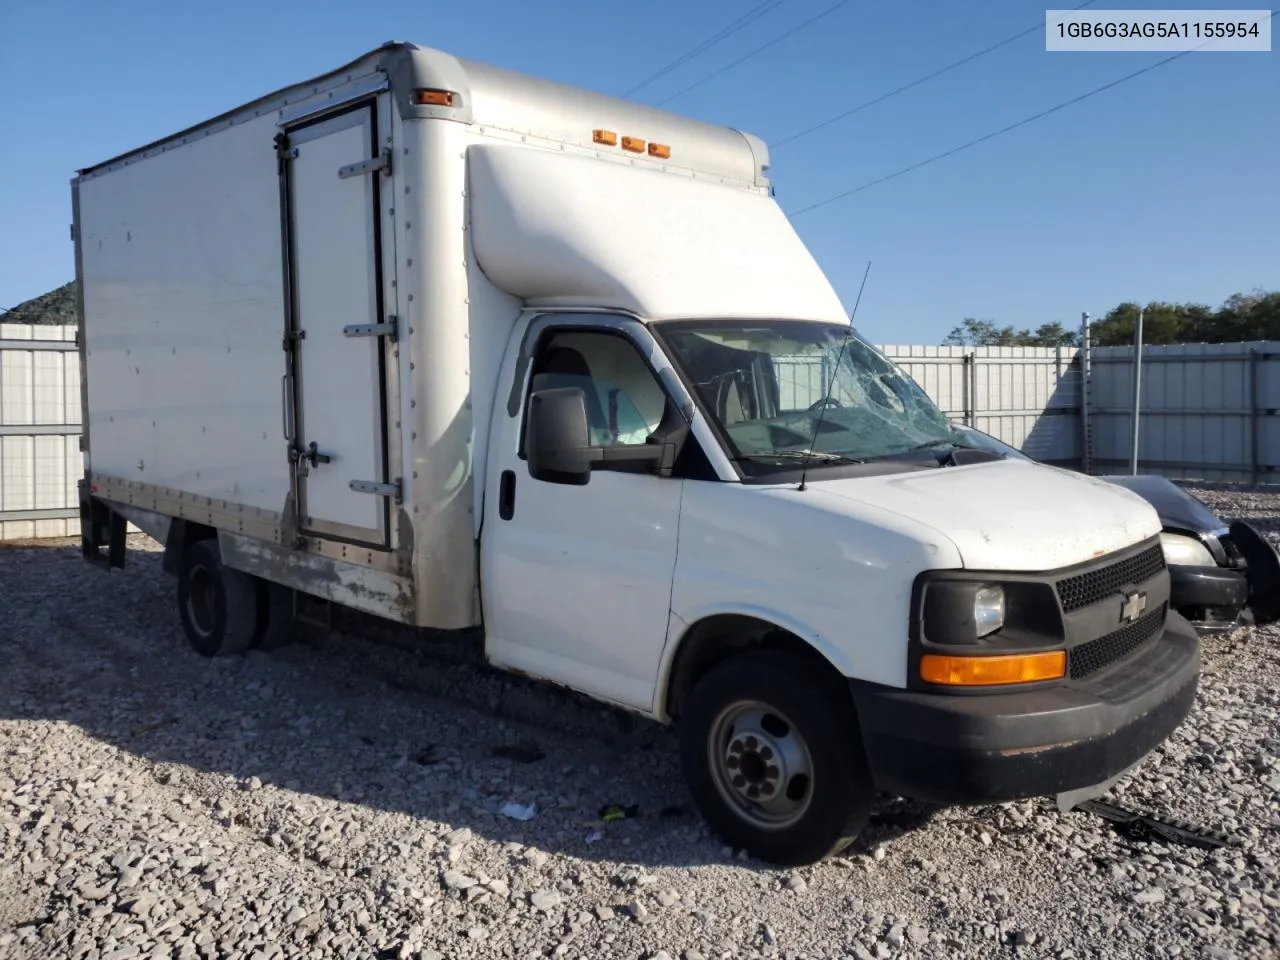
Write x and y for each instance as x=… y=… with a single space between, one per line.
x=460 y=347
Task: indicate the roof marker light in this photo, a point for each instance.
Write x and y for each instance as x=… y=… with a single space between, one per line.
x=433 y=98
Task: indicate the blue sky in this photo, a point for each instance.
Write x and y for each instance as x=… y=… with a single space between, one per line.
x=1165 y=187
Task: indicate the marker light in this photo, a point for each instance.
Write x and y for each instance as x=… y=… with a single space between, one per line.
x=660 y=150
x=987 y=671
x=634 y=144
x=433 y=98
x=607 y=137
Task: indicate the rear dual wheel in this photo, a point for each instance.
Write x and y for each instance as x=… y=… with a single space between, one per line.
x=773 y=756
x=226 y=611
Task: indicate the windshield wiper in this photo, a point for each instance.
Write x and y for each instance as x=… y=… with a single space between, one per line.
x=817 y=456
x=929 y=445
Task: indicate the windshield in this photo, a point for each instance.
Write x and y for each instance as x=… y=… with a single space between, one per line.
x=773 y=388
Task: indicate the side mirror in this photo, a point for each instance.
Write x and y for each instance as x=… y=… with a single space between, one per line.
x=557 y=439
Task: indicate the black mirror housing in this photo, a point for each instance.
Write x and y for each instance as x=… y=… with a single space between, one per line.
x=557 y=439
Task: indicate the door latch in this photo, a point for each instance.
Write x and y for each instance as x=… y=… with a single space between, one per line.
x=311 y=455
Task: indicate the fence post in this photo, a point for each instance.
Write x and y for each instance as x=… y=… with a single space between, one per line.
x=1137 y=390
x=1253 y=416
x=1084 y=393
x=966 y=369
x=973 y=387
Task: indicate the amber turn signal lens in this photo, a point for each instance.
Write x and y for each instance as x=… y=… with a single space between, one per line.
x=634 y=144
x=986 y=671
x=433 y=98
x=660 y=150
x=607 y=137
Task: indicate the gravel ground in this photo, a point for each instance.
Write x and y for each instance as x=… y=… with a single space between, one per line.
x=342 y=798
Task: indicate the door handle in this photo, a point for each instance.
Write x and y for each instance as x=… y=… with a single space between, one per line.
x=286 y=405
x=507 y=494
x=315 y=456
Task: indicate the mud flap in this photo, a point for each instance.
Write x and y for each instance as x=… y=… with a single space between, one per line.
x=100 y=526
x=1263 y=571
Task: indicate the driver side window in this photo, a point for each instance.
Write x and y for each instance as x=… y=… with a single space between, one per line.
x=625 y=402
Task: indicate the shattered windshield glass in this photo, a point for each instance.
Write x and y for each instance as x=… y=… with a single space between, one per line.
x=775 y=387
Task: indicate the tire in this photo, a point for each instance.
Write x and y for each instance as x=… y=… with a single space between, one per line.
x=220 y=607
x=746 y=714
x=276 y=627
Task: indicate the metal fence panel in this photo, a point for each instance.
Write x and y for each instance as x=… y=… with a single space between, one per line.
x=1207 y=411
x=1026 y=396
x=40 y=459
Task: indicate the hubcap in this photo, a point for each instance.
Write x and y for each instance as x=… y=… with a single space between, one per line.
x=760 y=764
x=202 y=600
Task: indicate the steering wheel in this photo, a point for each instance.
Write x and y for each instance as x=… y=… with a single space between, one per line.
x=824 y=402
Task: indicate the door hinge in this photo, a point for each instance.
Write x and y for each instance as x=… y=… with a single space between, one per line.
x=392 y=490
x=389 y=329
x=290 y=338
x=284 y=152
x=381 y=162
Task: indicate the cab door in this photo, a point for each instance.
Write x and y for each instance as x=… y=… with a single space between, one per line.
x=577 y=578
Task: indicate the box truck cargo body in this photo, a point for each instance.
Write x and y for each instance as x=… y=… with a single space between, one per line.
x=464 y=348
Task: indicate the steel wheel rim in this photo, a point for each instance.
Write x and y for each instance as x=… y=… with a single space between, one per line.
x=202 y=601
x=760 y=764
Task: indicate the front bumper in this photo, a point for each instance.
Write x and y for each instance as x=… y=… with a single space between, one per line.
x=990 y=748
x=1212 y=598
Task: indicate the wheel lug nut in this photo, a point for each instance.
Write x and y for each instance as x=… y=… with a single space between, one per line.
x=736 y=746
x=753 y=792
x=766 y=788
x=766 y=753
x=732 y=763
x=752 y=743
x=739 y=781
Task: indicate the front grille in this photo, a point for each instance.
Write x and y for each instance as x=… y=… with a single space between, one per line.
x=1086 y=589
x=1093 y=656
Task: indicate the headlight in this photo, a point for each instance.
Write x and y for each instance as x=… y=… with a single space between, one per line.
x=1182 y=551
x=988 y=610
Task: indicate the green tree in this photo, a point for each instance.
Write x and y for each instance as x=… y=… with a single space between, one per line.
x=1253 y=316
x=984 y=333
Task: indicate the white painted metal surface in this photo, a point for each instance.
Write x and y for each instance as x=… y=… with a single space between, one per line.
x=557 y=230
x=578 y=579
x=835 y=573
x=336 y=282
x=183 y=295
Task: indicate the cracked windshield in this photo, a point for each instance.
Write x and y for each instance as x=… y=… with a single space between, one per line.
x=775 y=388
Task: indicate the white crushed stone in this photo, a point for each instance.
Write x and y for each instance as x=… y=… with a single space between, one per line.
x=341 y=798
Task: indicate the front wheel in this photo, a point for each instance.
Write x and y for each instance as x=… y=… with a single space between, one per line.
x=773 y=756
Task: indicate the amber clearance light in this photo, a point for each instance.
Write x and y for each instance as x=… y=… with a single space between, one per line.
x=433 y=98
x=986 y=671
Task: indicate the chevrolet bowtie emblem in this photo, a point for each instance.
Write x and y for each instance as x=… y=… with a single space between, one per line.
x=1134 y=604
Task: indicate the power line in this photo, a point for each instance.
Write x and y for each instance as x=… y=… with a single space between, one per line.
x=768 y=6
x=1013 y=126
x=915 y=83
x=758 y=50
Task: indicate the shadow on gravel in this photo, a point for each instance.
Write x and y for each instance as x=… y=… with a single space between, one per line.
x=373 y=716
